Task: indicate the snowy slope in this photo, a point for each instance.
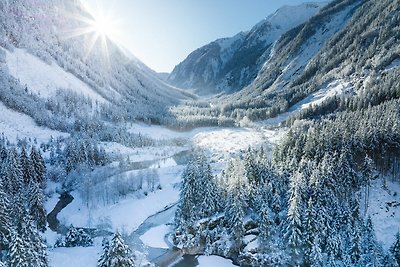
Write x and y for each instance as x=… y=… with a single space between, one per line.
x=16 y=125
x=46 y=46
x=293 y=67
x=44 y=79
x=229 y=64
x=384 y=209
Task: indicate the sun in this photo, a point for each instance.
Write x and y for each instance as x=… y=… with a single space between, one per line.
x=103 y=25
x=98 y=26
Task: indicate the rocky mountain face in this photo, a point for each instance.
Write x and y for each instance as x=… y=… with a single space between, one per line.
x=229 y=64
x=348 y=44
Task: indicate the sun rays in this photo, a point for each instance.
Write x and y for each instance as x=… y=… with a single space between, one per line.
x=100 y=27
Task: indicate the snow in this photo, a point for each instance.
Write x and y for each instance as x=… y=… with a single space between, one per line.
x=129 y=213
x=288 y=17
x=51 y=238
x=155 y=237
x=222 y=143
x=16 y=125
x=157 y=132
x=311 y=47
x=252 y=246
x=139 y=154
x=384 y=209
x=225 y=143
x=76 y=257
x=44 y=79
x=395 y=64
x=334 y=88
x=212 y=261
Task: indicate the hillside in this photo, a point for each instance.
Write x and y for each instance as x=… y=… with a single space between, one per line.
x=338 y=45
x=294 y=162
x=49 y=54
x=331 y=184
x=229 y=64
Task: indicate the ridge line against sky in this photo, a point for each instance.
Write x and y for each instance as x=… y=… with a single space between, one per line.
x=163 y=33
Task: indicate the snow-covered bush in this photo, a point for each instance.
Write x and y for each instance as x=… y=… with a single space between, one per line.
x=75 y=238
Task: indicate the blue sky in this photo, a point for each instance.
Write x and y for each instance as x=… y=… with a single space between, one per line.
x=162 y=33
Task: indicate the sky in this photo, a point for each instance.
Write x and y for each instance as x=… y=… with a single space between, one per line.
x=162 y=33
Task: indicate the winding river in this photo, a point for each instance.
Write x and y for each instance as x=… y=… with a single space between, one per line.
x=159 y=256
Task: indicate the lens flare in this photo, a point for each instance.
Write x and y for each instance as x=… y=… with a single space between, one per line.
x=98 y=26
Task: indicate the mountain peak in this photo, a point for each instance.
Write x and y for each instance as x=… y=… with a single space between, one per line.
x=225 y=65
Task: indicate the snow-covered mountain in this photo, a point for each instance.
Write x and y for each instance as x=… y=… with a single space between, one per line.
x=49 y=55
x=229 y=64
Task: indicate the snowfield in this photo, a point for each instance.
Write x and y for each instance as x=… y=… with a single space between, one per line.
x=44 y=79
x=214 y=261
x=335 y=88
x=384 y=209
x=226 y=143
x=15 y=125
x=129 y=213
x=138 y=154
x=74 y=257
x=155 y=237
x=221 y=144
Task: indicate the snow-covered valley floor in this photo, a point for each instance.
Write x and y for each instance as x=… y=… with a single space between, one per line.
x=127 y=214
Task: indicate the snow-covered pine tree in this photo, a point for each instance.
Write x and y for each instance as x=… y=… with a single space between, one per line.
x=199 y=196
x=18 y=251
x=294 y=231
x=13 y=174
x=237 y=203
x=265 y=225
x=5 y=220
x=26 y=166
x=75 y=238
x=355 y=249
x=116 y=254
x=395 y=249
x=212 y=201
x=35 y=248
x=316 y=257
x=36 y=207
x=38 y=166
x=185 y=212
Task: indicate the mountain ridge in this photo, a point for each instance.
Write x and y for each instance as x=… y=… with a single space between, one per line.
x=228 y=64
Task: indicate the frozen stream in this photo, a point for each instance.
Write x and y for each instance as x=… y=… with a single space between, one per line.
x=148 y=219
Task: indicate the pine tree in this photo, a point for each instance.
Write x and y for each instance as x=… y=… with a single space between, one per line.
x=26 y=166
x=187 y=202
x=199 y=193
x=116 y=254
x=395 y=249
x=5 y=220
x=316 y=258
x=13 y=174
x=18 y=251
x=36 y=207
x=294 y=232
x=265 y=224
x=35 y=251
x=75 y=238
x=39 y=166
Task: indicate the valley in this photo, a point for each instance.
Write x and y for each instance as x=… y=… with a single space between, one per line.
x=277 y=146
x=148 y=219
